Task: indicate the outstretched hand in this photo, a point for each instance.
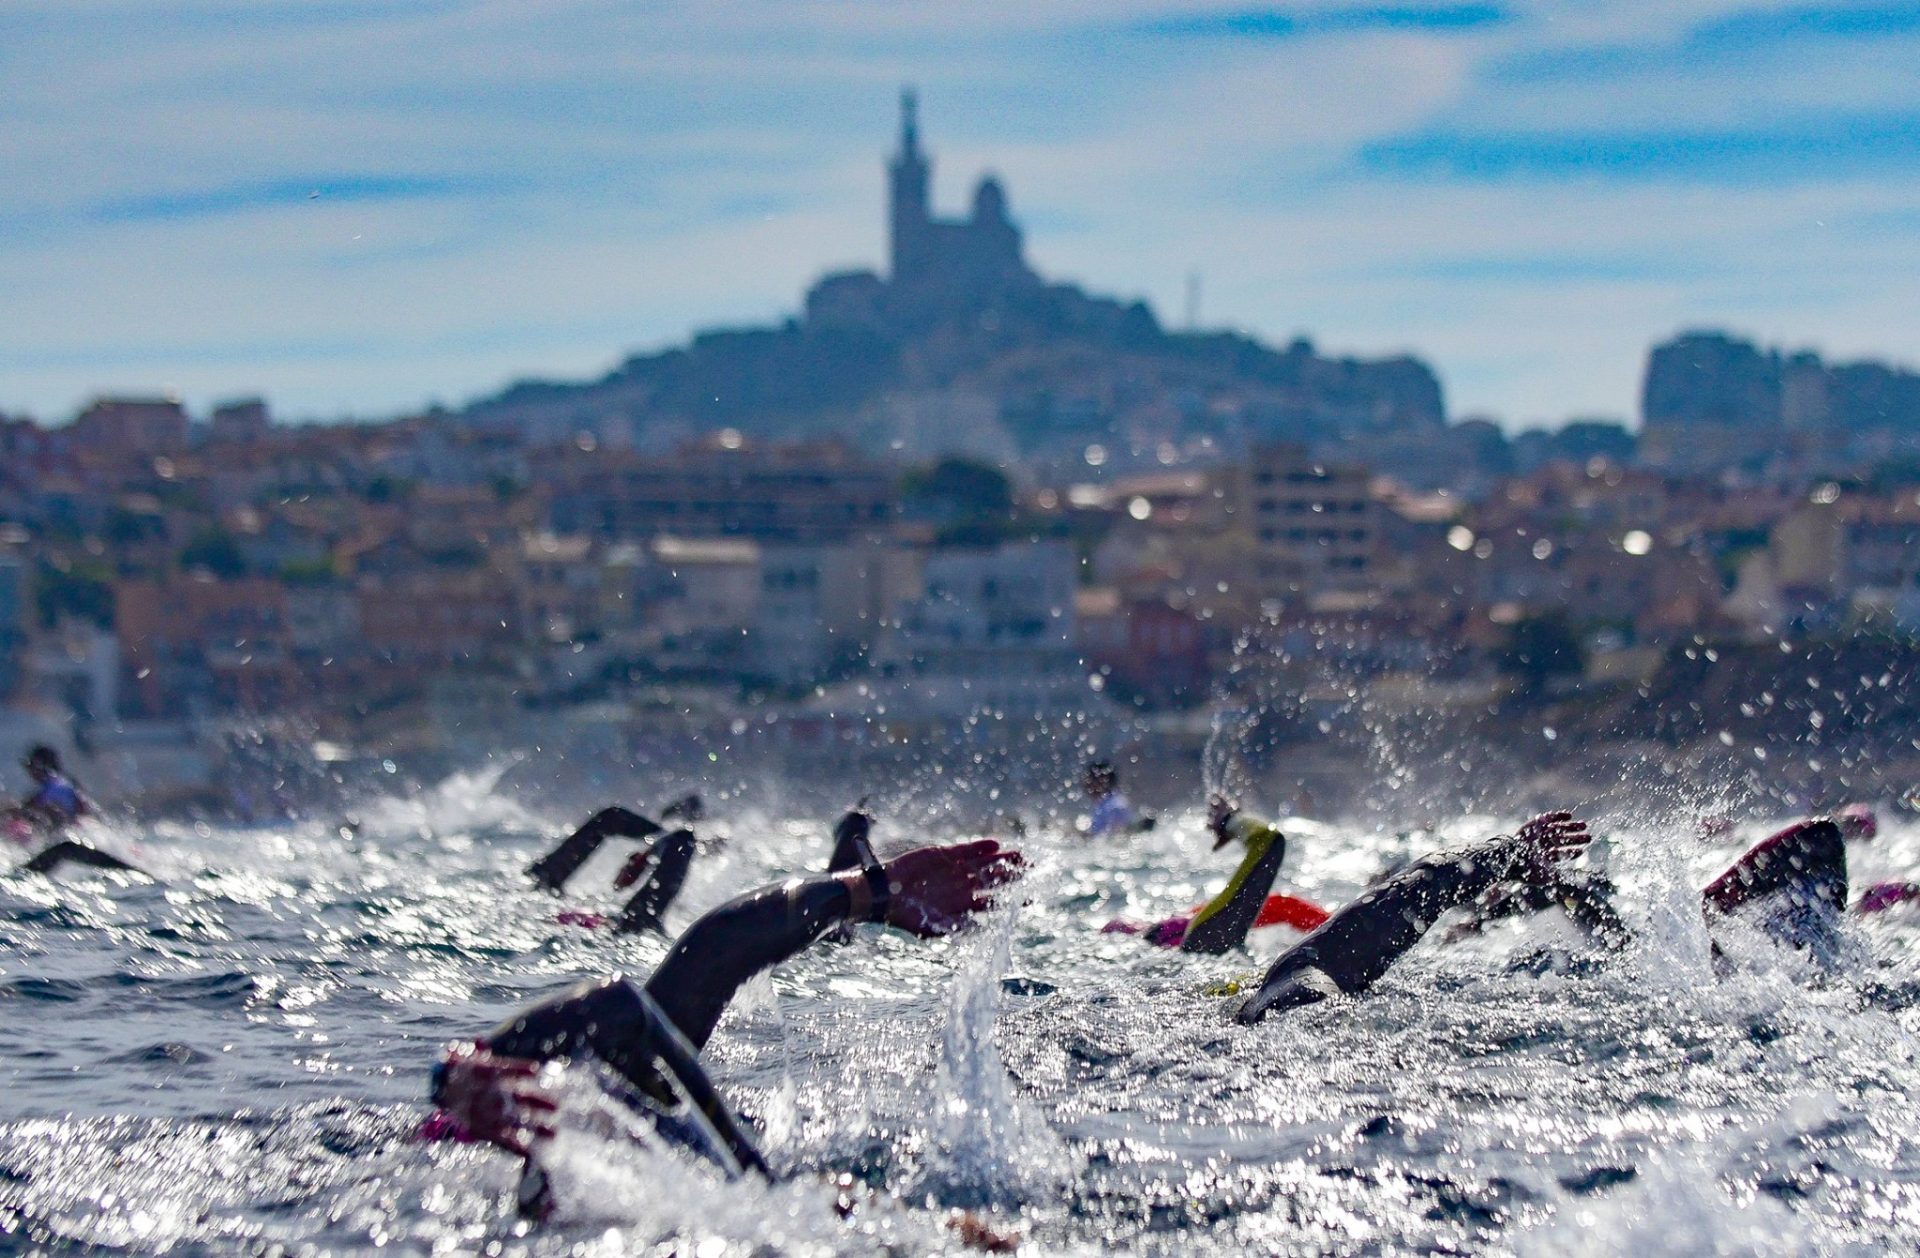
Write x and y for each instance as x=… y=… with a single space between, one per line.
x=497 y=1099
x=935 y=889
x=1548 y=840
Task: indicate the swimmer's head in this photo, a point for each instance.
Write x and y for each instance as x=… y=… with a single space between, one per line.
x=1857 y=821
x=854 y=827
x=1220 y=812
x=41 y=761
x=1100 y=780
x=686 y=808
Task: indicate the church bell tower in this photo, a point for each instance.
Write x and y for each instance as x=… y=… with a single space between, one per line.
x=909 y=175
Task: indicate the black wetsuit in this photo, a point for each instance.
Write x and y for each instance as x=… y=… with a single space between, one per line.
x=671 y=855
x=1219 y=928
x=74 y=852
x=1802 y=870
x=621 y=1024
x=708 y=963
x=1588 y=900
x=1800 y=873
x=563 y=862
x=1361 y=942
x=851 y=847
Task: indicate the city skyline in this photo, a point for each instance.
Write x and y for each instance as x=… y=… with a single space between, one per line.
x=296 y=201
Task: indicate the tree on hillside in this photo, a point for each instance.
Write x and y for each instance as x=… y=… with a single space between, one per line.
x=958 y=490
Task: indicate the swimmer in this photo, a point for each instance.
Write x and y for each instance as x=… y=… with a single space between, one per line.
x=1798 y=874
x=1112 y=812
x=1361 y=941
x=564 y=861
x=664 y=861
x=54 y=807
x=488 y=1090
x=1221 y=924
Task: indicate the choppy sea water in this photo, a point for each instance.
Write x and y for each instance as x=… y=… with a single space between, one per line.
x=236 y=1058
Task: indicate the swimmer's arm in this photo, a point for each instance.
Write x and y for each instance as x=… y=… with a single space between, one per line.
x=1589 y=904
x=1222 y=923
x=564 y=861
x=1811 y=848
x=736 y=941
x=932 y=892
x=1361 y=942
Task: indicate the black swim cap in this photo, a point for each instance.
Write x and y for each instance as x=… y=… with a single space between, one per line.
x=853 y=827
x=43 y=757
x=687 y=808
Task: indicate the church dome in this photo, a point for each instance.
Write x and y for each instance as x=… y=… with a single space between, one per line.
x=989 y=201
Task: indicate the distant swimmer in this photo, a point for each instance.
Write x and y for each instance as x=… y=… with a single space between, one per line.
x=53 y=808
x=554 y=869
x=1361 y=941
x=1112 y=812
x=660 y=867
x=650 y=1035
x=1221 y=924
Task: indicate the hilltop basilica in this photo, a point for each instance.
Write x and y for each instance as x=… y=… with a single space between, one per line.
x=959 y=314
x=937 y=268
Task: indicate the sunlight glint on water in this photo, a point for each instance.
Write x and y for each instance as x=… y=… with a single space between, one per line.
x=238 y=1057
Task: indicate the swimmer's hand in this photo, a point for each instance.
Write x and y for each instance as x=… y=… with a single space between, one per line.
x=1545 y=842
x=935 y=889
x=631 y=871
x=497 y=1099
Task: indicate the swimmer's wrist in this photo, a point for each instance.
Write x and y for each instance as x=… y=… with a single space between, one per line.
x=859 y=895
x=869 y=892
x=880 y=886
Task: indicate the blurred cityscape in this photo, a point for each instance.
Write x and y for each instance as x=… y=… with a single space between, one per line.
x=961 y=501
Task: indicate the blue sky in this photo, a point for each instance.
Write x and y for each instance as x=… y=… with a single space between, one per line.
x=358 y=206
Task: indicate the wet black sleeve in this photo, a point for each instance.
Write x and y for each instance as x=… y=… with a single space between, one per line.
x=736 y=941
x=620 y=1025
x=1587 y=901
x=717 y=954
x=1226 y=930
x=605 y=1019
x=1362 y=941
x=563 y=862
x=672 y=856
x=71 y=851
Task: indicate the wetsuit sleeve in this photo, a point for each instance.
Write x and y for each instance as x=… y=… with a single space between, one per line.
x=739 y=939
x=717 y=954
x=1222 y=923
x=1590 y=904
x=563 y=862
x=1362 y=941
x=1587 y=901
x=672 y=856
x=70 y=851
x=605 y=1019
x=1810 y=855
